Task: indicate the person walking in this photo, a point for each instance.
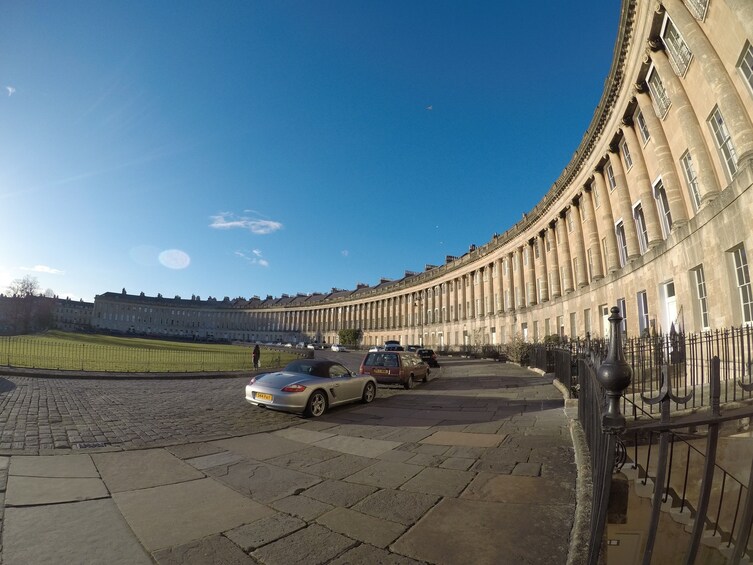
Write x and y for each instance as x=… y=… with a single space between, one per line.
x=256 y=355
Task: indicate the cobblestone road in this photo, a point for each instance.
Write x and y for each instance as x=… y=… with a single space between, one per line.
x=41 y=414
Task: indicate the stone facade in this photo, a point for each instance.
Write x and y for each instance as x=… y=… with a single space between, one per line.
x=653 y=213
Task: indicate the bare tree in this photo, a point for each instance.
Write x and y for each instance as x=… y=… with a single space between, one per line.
x=22 y=288
x=29 y=310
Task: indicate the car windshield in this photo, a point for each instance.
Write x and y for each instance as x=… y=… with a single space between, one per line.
x=381 y=360
x=308 y=367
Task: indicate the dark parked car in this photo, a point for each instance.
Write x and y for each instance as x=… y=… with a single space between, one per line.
x=395 y=367
x=428 y=356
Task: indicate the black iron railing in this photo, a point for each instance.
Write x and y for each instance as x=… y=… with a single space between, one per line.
x=673 y=458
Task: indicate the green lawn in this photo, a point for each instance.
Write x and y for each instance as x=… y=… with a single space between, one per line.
x=90 y=352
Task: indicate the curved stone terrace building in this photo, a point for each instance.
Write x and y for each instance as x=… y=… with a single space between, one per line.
x=654 y=213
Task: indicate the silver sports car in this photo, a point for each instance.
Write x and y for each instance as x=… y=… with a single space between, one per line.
x=310 y=386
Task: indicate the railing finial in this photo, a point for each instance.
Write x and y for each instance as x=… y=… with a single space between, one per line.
x=614 y=375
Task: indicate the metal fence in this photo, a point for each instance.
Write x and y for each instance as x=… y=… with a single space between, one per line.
x=672 y=459
x=25 y=352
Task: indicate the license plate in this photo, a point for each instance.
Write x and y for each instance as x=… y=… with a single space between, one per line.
x=263 y=396
x=381 y=371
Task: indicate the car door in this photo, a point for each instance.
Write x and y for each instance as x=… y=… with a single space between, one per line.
x=343 y=387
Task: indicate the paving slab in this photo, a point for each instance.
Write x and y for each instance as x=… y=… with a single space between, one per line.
x=517 y=490
x=130 y=470
x=214 y=460
x=490 y=532
x=385 y=474
x=341 y=466
x=171 y=515
x=527 y=469
x=398 y=506
x=366 y=554
x=459 y=463
x=214 y=550
x=190 y=450
x=409 y=434
x=368 y=430
x=260 y=446
x=304 y=458
x=79 y=532
x=443 y=482
x=314 y=545
x=425 y=460
x=53 y=466
x=266 y=530
x=261 y=481
x=463 y=439
x=361 y=527
x=364 y=447
x=317 y=425
x=397 y=455
x=29 y=491
x=339 y=493
x=491 y=427
x=301 y=506
x=302 y=435
x=424 y=448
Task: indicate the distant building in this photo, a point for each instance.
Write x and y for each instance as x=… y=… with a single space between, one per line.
x=72 y=315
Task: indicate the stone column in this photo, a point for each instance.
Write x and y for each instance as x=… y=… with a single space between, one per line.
x=433 y=304
x=511 y=280
x=521 y=282
x=606 y=222
x=578 y=245
x=554 y=265
x=643 y=184
x=592 y=234
x=541 y=267
x=664 y=159
x=708 y=185
x=500 y=286
x=530 y=274
x=472 y=286
x=726 y=95
x=490 y=290
x=481 y=293
x=624 y=204
x=564 y=258
x=464 y=296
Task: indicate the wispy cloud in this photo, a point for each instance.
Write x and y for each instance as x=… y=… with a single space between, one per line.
x=254 y=257
x=229 y=221
x=344 y=252
x=43 y=269
x=10 y=90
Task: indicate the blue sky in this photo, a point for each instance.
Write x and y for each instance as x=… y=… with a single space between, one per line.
x=253 y=148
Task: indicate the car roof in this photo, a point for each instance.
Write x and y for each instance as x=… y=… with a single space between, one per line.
x=316 y=367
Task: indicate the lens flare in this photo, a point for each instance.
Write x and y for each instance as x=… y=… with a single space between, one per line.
x=174 y=259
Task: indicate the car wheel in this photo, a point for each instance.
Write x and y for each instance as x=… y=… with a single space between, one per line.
x=317 y=404
x=409 y=383
x=369 y=393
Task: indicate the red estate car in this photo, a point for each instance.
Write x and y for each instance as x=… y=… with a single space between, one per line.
x=401 y=367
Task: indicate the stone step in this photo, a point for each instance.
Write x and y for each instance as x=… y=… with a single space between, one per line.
x=681 y=516
x=728 y=551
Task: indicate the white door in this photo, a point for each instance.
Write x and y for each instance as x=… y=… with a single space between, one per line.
x=670 y=306
x=605 y=320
